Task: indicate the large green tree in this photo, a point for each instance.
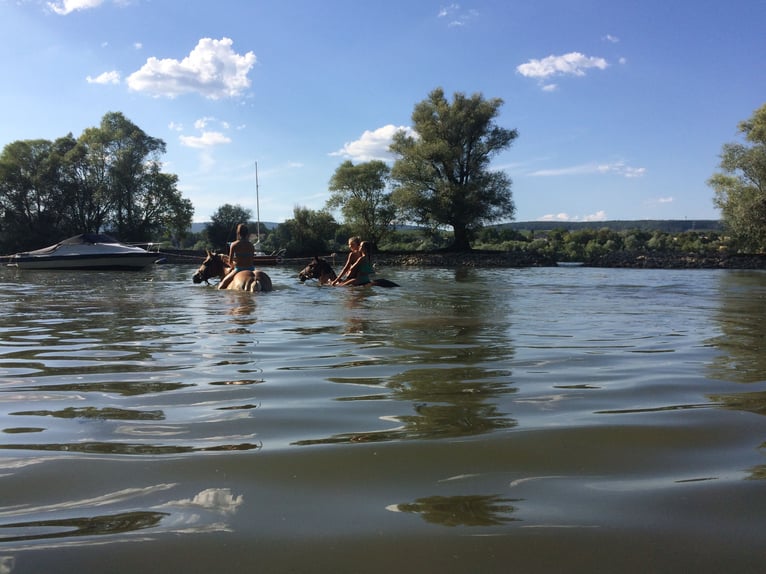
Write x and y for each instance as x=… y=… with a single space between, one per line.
x=359 y=191
x=108 y=179
x=223 y=224
x=740 y=190
x=30 y=205
x=309 y=232
x=442 y=174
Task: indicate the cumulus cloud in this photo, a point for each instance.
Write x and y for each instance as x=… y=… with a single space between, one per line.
x=205 y=141
x=617 y=168
x=372 y=144
x=64 y=7
x=598 y=216
x=571 y=64
x=112 y=77
x=611 y=38
x=212 y=69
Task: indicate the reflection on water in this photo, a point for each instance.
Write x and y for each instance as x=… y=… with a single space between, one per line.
x=90 y=526
x=742 y=318
x=461 y=510
x=607 y=400
x=206 y=511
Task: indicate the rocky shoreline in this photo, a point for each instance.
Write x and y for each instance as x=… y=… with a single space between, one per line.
x=620 y=259
x=615 y=260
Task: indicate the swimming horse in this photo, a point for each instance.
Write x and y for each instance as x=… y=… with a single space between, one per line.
x=323 y=272
x=217 y=265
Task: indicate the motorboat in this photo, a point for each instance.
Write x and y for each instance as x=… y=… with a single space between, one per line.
x=89 y=251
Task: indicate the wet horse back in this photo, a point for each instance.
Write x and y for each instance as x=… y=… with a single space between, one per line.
x=245 y=280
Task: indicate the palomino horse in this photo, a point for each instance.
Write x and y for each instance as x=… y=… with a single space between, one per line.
x=323 y=272
x=217 y=265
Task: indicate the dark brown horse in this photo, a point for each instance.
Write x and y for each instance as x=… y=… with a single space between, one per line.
x=323 y=272
x=217 y=265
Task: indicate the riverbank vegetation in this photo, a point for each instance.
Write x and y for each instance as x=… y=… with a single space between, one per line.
x=439 y=196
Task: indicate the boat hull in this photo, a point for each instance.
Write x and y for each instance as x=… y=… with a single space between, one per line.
x=86 y=252
x=122 y=262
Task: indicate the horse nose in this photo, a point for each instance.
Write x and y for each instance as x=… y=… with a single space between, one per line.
x=196 y=278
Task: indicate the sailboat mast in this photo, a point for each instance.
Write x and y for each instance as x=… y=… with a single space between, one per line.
x=257 y=205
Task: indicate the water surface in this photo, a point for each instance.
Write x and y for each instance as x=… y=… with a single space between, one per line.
x=490 y=420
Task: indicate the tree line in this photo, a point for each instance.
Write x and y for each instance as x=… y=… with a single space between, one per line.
x=109 y=179
x=441 y=183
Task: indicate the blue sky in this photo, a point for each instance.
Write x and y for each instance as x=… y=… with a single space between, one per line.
x=621 y=106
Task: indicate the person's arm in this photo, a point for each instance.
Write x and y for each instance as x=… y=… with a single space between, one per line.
x=345 y=269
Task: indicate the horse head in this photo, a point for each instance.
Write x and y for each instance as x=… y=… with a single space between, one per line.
x=212 y=266
x=318 y=268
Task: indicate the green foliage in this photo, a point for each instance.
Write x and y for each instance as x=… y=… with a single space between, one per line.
x=222 y=228
x=740 y=190
x=442 y=176
x=308 y=233
x=108 y=179
x=584 y=245
x=359 y=191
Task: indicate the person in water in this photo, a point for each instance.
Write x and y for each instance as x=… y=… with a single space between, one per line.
x=345 y=273
x=241 y=255
x=362 y=269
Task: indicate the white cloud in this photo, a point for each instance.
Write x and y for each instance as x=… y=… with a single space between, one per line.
x=64 y=7
x=598 y=216
x=372 y=145
x=201 y=123
x=176 y=127
x=205 y=141
x=112 y=77
x=658 y=201
x=212 y=69
x=611 y=38
x=571 y=64
x=456 y=16
x=617 y=168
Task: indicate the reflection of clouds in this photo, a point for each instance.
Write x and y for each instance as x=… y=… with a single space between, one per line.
x=7 y=564
x=206 y=511
x=217 y=499
x=11 y=464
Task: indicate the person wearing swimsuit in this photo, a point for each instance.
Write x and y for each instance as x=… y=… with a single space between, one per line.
x=353 y=256
x=241 y=254
x=361 y=270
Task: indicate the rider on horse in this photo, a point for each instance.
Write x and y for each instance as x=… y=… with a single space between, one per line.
x=241 y=255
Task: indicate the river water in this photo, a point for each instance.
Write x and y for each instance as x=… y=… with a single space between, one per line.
x=490 y=420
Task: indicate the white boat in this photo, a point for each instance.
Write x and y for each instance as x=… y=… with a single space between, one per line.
x=88 y=251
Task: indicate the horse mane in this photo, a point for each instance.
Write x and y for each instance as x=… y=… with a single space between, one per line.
x=326 y=267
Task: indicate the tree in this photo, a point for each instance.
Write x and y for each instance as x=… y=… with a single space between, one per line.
x=132 y=159
x=29 y=204
x=108 y=179
x=360 y=193
x=442 y=174
x=740 y=191
x=309 y=232
x=223 y=224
